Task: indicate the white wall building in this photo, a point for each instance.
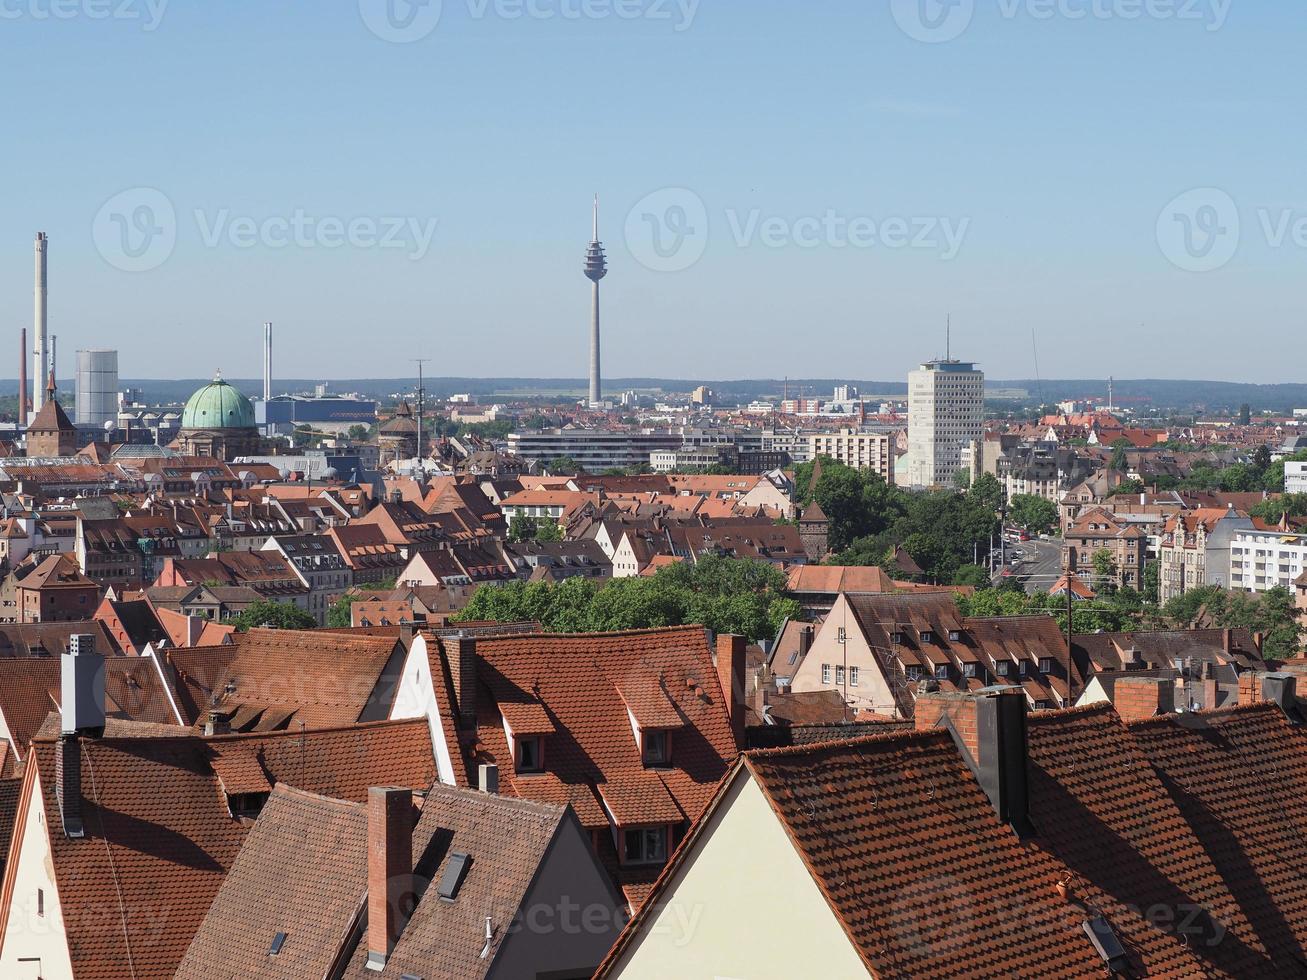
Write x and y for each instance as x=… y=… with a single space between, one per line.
x=860 y=450
x=946 y=412
x=1261 y=560
x=1295 y=477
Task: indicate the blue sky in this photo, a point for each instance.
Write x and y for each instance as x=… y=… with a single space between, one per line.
x=856 y=185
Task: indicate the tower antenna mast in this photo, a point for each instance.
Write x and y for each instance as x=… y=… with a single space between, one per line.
x=421 y=404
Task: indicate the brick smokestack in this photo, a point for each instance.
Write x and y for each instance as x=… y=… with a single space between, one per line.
x=462 y=656
x=1137 y=698
x=390 y=869
x=730 y=672
x=22 y=379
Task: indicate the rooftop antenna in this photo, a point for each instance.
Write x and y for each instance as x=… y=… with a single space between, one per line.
x=948 y=337
x=421 y=403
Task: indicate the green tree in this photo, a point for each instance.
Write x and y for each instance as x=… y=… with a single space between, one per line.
x=1036 y=514
x=987 y=492
x=1104 y=571
x=358 y=433
x=962 y=478
x=274 y=615
x=564 y=466
x=973 y=575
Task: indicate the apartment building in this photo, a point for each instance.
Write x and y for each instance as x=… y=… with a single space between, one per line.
x=1195 y=549
x=1262 y=560
x=860 y=450
x=946 y=409
x=1295 y=477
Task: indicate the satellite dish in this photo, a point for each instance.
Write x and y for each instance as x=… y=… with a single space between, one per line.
x=111 y=426
x=284 y=473
x=329 y=473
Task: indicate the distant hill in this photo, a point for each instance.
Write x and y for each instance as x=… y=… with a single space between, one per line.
x=1138 y=394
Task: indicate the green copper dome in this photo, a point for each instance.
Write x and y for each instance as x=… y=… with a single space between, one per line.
x=218 y=406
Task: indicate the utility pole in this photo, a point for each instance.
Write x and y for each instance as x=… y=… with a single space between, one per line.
x=421 y=404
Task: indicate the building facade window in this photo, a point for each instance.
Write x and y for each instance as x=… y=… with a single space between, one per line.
x=644 y=845
x=825 y=673
x=853 y=676
x=530 y=757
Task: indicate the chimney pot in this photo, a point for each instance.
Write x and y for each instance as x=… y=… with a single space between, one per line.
x=216 y=723
x=390 y=869
x=81 y=706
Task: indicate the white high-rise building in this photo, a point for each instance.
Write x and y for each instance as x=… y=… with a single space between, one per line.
x=946 y=413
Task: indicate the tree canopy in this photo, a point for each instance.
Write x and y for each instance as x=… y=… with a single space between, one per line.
x=725 y=595
x=274 y=615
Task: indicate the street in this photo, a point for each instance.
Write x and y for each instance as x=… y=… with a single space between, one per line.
x=1040 y=566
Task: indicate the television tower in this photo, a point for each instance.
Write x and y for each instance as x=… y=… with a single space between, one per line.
x=596 y=267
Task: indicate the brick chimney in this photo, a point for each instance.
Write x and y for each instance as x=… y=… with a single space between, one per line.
x=68 y=783
x=390 y=869
x=1137 y=698
x=989 y=728
x=730 y=672
x=461 y=652
x=805 y=640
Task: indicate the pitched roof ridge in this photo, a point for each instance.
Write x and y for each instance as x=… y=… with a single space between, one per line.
x=920 y=735
x=328 y=730
x=1055 y=715
x=1217 y=714
x=286 y=790
x=517 y=804
x=647 y=631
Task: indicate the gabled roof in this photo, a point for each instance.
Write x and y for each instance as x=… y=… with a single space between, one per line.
x=831 y=579
x=323 y=679
x=30 y=690
x=302 y=871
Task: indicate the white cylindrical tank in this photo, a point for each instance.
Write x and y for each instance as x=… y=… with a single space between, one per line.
x=97 y=387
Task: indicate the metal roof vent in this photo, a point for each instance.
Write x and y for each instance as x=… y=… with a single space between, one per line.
x=1106 y=944
x=455 y=871
x=278 y=941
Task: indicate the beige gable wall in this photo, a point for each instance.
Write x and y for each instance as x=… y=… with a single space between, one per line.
x=714 y=915
x=29 y=934
x=871 y=693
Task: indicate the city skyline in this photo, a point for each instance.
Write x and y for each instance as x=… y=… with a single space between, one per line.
x=1044 y=211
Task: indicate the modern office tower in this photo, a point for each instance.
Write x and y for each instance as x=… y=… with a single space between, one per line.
x=946 y=413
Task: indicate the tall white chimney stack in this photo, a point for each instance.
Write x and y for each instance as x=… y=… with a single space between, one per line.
x=267 y=362
x=39 y=326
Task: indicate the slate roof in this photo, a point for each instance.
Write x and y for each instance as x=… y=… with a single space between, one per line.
x=508 y=840
x=303 y=871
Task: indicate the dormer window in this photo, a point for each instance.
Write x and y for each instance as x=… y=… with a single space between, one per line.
x=914 y=673
x=1022 y=668
x=1001 y=668
x=1046 y=665
x=954 y=636
x=644 y=845
x=530 y=754
x=927 y=636
x=656 y=749
x=941 y=672
x=896 y=638
x=968 y=670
